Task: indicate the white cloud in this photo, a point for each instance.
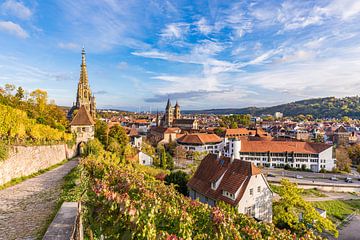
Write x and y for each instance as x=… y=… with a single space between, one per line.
x=313 y=78
x=315 y=43
x=344 y=9
x=175 y=31
x=203 y=26
x=69 y=45
x=13 y=29
x=16 y=8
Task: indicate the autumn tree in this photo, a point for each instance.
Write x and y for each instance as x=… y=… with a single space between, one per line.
x=294 y=213
x=40 y=98
x=118 y=133
x=354 y=154
x=117 y=140
x=343 y=162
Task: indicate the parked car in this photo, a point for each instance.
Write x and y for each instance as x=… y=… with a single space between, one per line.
x=333 y=178
x=271 y=175
x=348 y=180
x=299 y=177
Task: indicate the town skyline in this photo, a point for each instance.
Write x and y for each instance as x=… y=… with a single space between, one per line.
x=205 y=55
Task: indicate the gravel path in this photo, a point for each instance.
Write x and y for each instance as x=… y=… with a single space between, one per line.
x=26 y=207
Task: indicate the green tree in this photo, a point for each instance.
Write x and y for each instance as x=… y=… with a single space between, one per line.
x=101 y=132
x=294 y=213
x=115 y=147
x=220 y=132
x=233 y=125
x=179 y=179
x=93 y=147
x=169 y=161
x=20 y=93
x=118 y=133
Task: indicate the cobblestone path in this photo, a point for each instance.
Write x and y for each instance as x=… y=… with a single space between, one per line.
x=26 y=207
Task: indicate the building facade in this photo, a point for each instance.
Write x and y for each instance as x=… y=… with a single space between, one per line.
x=309 y=155
x=236 y=182
x=83 y=126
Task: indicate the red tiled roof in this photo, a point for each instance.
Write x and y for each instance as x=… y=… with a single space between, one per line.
x=133 y=132
x=82 y=118
x=166 y=130
x=245 y=132
x=141 y=121
x=199 y=138
x=281 y=146
x=236 y=174
x=237 y=131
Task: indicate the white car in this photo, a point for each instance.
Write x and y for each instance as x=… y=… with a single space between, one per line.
x=299 y=177
x=333 y=178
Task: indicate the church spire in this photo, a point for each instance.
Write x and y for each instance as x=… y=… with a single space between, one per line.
x=168 y=105
x=83 y=73
x=84 y=95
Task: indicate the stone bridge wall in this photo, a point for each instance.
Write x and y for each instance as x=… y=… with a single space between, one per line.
x=25 y=160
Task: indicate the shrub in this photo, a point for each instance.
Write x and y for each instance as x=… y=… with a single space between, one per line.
x=93 y=147
x=4 y=151
x=124 y=203
x=179 y=179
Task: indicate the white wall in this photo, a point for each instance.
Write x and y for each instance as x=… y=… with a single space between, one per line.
x=145 y=159
x=262 y=200
x=327 y=158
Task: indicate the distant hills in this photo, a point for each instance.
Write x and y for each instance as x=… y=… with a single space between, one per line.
x=329 y=107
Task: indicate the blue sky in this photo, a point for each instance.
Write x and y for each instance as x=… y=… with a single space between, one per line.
x=205 y=54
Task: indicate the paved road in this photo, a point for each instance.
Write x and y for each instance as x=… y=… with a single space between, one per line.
x=25 y=208
x=353 y=174
x=351 y=230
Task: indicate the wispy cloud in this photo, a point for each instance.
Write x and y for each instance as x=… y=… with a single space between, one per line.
x=69 y=45
x=175 y=31
x=15 y=8
x=13 y=28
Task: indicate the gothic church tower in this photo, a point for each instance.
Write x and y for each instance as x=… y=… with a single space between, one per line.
x=169 y=114
x=84 y=96
x=177 y=111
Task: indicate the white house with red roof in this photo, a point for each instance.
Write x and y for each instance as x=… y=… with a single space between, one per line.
x=233 y=181
x=296 y=154
x=201 y=142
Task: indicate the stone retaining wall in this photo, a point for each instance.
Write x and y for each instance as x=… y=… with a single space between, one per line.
x=25 y=160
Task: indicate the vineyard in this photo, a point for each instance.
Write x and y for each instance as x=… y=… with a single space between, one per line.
x=17 y=128
x=123 y=202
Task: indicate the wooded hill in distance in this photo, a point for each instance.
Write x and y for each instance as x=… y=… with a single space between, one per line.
x=329 y=107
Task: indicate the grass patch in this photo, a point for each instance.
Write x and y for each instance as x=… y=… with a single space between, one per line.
x=305 y=192
x=70 y=192
x=337 y=210
x=153 y=171
x=18 y=180
x=312 y=193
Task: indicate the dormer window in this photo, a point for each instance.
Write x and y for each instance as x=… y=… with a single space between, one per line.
x=213 y=185
x=229 y=195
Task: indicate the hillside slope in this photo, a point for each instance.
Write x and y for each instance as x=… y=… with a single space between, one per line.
x=329 y=107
